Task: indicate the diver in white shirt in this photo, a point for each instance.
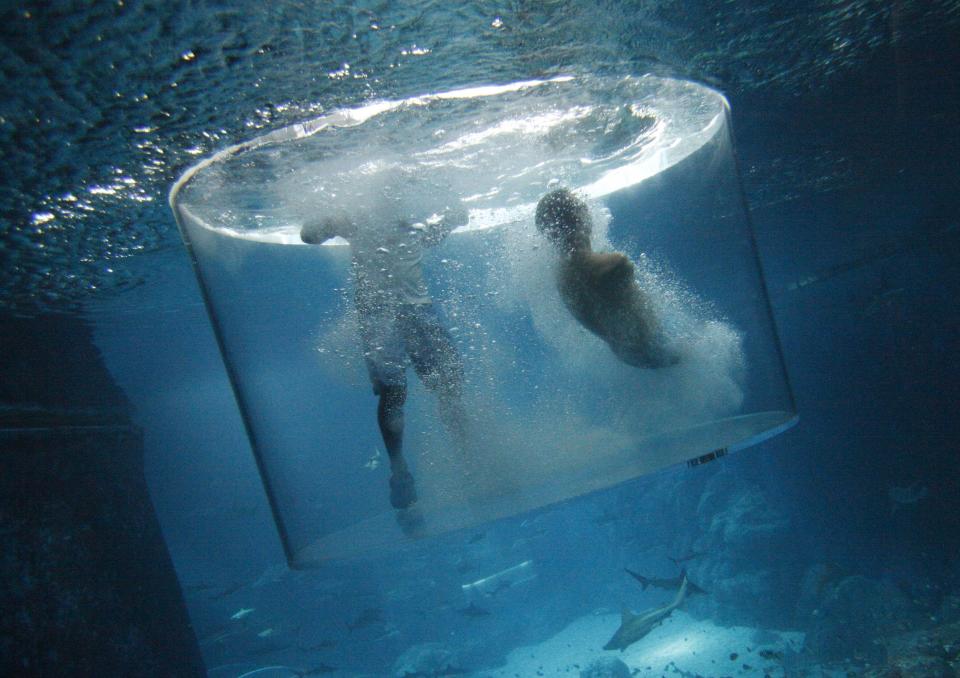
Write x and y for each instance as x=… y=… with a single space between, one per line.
x=399 y=324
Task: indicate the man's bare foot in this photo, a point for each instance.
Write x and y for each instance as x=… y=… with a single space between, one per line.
x=403 y=491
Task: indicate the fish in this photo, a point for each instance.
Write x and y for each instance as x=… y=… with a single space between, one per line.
x=882 y=300
x=232 y=588
x=266 y=633
x=633 y=627
x=241 y=613
x=500 y=587
x=374 y=462
x=666 y=584
x=474 y=610
x=220 y=633
x=368 y=617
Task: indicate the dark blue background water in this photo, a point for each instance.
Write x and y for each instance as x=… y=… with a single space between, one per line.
x=847 y=119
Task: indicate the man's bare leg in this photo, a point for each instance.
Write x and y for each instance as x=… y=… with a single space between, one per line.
x=454 y=417
x=403 y=492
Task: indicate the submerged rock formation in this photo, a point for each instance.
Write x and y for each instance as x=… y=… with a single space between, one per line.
x=746 y=540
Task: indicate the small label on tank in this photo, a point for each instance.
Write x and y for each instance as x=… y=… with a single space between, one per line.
x=710 y=456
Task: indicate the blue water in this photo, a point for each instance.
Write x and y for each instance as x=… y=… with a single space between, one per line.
x=846 y=120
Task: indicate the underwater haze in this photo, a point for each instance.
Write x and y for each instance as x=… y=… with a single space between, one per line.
x=830 y=549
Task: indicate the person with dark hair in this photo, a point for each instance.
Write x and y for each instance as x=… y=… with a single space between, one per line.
x=399 y=324
x=599 y=288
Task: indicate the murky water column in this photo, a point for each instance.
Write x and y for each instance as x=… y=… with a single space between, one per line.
x=558 y=399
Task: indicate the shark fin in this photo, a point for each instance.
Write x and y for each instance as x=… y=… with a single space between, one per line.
x=625 y=615
x=644 y=582
x=691 y=587
x=682 y=593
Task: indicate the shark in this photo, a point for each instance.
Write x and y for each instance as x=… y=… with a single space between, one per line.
x=666 y=584
x=633 y=627
x=369 y=617
x=231 y=589
x=474 y=610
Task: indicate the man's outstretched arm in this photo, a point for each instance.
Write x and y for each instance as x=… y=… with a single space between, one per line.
x=438 y=226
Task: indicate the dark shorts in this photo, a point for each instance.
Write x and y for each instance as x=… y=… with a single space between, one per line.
x=413 y=334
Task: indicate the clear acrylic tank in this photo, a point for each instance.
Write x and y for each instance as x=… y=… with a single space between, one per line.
x=552 y=413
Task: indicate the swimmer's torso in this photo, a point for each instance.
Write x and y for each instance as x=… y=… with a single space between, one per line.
x=600 y=291
x=387 y=265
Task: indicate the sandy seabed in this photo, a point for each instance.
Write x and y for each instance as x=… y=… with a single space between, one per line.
x=680 y=646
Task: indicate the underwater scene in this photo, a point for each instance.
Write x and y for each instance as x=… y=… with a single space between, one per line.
x=561 y=338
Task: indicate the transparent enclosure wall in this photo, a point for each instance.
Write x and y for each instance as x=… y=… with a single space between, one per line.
x=551 y=410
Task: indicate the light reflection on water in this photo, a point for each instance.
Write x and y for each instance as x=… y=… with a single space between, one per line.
x=129 y=91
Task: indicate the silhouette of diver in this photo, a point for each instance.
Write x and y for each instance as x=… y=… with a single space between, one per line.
x=399 y=324
x=599 y=288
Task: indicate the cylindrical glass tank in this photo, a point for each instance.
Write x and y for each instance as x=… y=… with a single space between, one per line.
x=550 y=409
